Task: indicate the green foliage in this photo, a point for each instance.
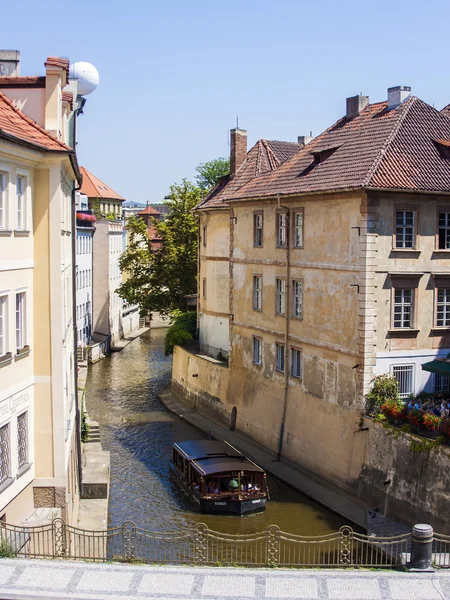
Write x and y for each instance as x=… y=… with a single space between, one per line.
x=384 y=388
x=84 y=424
x=183 y=329
x=111 y=216
x=425 y=446
x=94 y=205
x=6 y=550
x=160 y=280
x=210 y=173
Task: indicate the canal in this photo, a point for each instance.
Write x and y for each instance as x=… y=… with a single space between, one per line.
x=139 y=431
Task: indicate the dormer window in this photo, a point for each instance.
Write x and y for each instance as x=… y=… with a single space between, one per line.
x=322 y=154
x=444 y=148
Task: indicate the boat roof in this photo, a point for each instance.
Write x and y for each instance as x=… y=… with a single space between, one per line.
x=195 y=449
x=214 y=457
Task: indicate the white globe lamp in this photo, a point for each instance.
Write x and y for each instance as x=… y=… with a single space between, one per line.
x=87 y=75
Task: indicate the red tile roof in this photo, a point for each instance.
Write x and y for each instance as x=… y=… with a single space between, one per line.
x=148 y=210
x=379 y=148
x=94 y=187
x=264 y=157
x=57 y=61
x=15 y=123
x=13 y=82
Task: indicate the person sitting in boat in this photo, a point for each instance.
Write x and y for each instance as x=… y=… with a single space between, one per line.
x=213 y=487
x=233 y=486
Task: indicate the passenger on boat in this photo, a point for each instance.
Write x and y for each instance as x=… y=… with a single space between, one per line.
x=213 y=487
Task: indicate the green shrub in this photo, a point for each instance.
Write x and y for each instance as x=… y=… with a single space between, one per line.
x=182 y=330
x=384 y=388
x=84 y=424
x=6 y=550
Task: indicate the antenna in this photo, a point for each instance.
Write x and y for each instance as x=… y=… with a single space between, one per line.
x=237 y=122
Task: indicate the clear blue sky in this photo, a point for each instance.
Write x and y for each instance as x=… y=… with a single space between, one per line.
x=175 y=74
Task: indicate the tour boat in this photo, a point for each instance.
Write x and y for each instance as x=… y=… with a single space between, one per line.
x=218 y=478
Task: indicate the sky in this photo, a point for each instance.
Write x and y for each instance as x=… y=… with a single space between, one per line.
x=175 y=75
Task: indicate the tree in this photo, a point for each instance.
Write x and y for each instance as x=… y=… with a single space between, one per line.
x=210 y=173
x=159 y=280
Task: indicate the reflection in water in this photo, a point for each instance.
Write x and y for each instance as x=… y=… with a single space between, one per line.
x=138 y=431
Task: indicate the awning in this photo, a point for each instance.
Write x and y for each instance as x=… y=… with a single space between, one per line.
x=439 y=366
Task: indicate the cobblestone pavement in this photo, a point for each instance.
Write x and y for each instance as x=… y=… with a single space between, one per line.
x=24 y=579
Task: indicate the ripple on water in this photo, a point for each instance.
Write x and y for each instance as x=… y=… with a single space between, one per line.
x=138 y=431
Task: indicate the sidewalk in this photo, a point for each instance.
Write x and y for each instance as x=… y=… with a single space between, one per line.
x=21 y=578
x=120 y=345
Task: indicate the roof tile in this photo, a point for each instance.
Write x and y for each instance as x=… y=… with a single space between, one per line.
x=94 y=187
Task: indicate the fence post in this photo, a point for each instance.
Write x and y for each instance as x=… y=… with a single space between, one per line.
x=421 y=548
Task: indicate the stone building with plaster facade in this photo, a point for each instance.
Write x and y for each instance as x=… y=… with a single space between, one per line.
x=318 y=269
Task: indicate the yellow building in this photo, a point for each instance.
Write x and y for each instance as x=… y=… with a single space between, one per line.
x=100 y=196
x=320 y=267
x=38 y=407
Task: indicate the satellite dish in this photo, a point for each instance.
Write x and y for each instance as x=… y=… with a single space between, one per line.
x=87 y=75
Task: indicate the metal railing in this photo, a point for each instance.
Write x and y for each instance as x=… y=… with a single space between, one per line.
x=203 y=546
x=441 y=550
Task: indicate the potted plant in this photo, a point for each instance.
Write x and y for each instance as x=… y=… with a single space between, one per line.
x=414 y=418
x=392 y=409
x=431 y=422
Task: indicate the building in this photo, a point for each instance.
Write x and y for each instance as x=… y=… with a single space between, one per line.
x=39 y=441
x=85 y=229
x=131 y=208
x=102 y=199
x=318 y=272
x=107 y=304
x=148 y=215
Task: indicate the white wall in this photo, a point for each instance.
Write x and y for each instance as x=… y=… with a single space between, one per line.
x=84 y=284
x=214 y=334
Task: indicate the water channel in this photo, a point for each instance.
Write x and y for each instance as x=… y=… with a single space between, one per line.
x=139 y=431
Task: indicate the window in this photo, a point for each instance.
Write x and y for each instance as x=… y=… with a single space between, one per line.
x=20 y=321
x=257 y=351
x=444 y=231
x=204 y=236
x=3 y=325
x=296 y=370
x=258 y=230
x=297 y=299
x=403 y=302
x=297 y=241
x=404 y=375
x=257 y=292
x=405 y=229
x=2 y=201
x=443 y=307
x=22 y=439
x=280 y=296
x=204 y=287
x=280 y=356
x=441 y=383
x=21 y=208
x=281 y=229
x=5 y=458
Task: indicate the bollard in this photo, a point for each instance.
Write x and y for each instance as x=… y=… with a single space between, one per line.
x=421 y=548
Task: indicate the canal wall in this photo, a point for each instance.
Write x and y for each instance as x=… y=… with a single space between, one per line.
x=360 y=457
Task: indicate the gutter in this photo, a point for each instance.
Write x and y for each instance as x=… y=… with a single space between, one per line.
x=287 y=305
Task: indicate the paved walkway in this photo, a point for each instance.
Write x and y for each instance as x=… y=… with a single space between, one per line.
x=21 y=578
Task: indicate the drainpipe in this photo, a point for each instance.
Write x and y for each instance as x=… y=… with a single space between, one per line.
x=287 y=308
x=198 y=275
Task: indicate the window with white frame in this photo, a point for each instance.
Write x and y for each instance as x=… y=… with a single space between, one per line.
x=257 y=292
x=405 y=228
x=281 y=229
x=258 y=229
x=296 y=369
x=280 y=296
x=441 y=383
x=3 y=207
x=5 y=453
x=444 y=231
x=443 y=307
x=256 y=350
x=279 y=356
x=21 y=184
x=3 y=324
x=21 y=320
x=298 y=230
x=405 y=377
x=22 y=439
x=297 y=299
x=403 y=305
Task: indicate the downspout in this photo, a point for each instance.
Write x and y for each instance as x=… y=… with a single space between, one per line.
x=287 y=308
x=198 y=276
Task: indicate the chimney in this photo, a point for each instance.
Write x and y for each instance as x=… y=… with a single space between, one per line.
x=238 y=149
x=302 y=140
x=9 y=63
x=396 y=95
x=355 y=105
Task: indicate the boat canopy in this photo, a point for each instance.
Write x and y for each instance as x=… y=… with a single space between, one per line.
x=213 y=457
x=195 y=449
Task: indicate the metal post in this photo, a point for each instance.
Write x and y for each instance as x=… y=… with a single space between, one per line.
x=421 y=548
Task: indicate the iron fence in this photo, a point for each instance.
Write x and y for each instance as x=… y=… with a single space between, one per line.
x=441 y=551
x=203 y=546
